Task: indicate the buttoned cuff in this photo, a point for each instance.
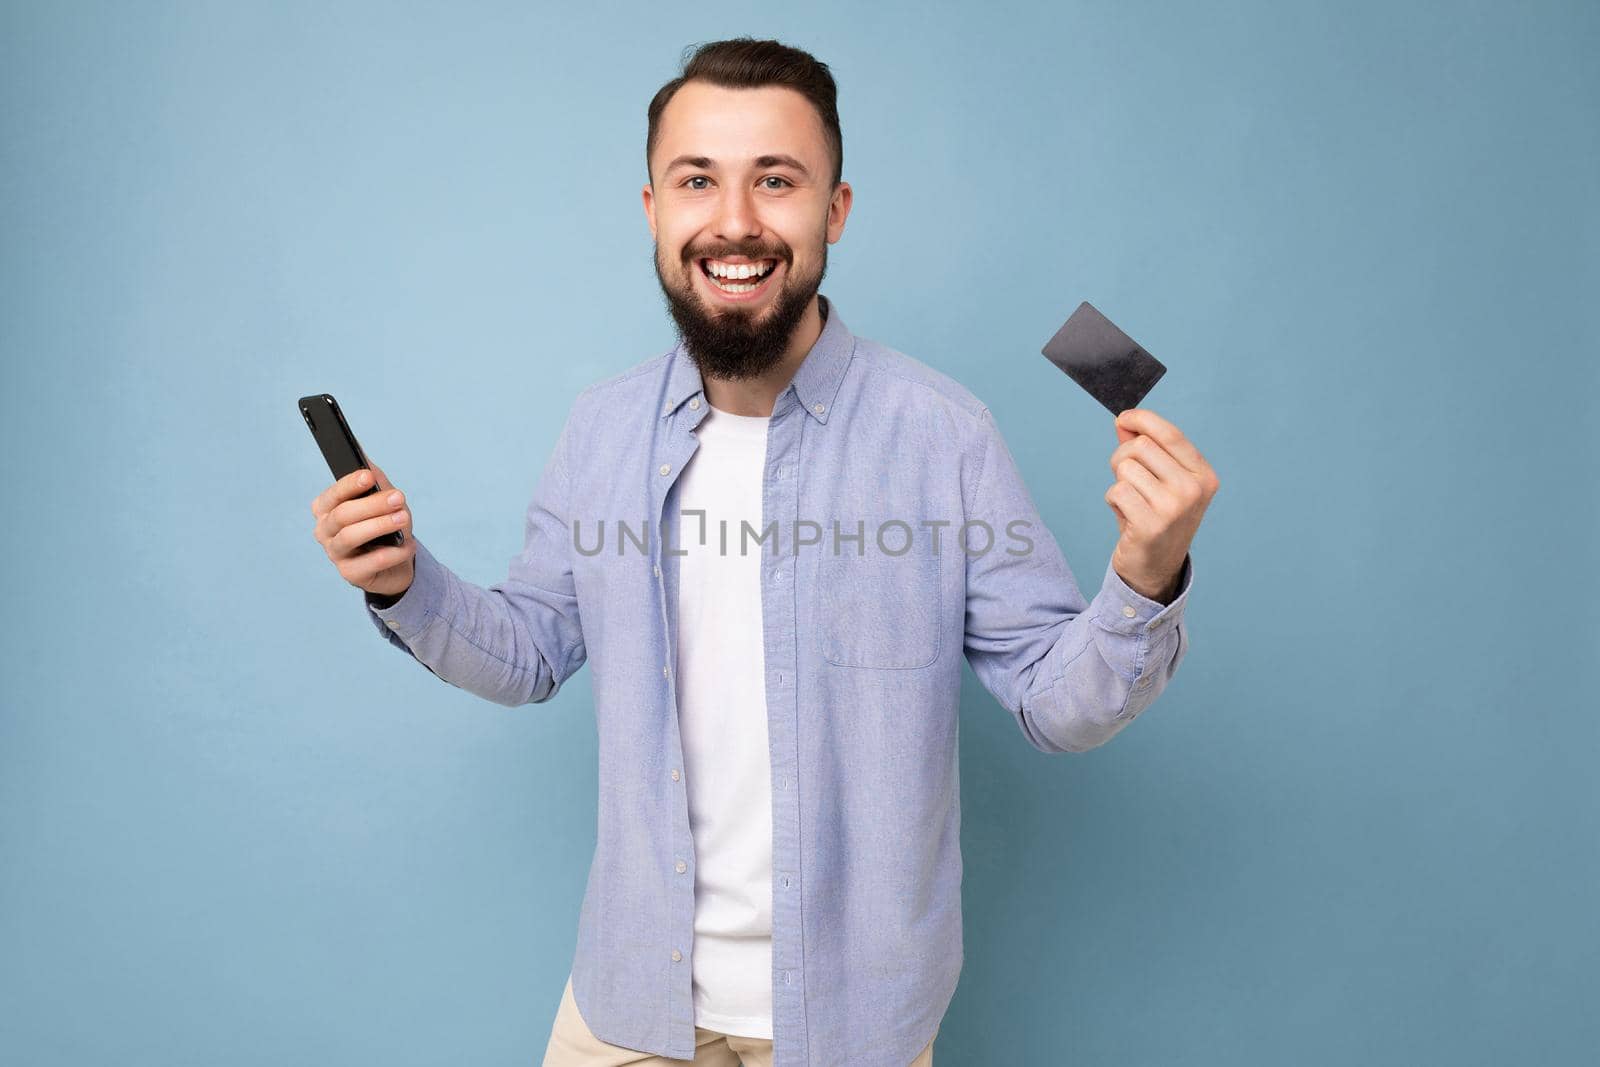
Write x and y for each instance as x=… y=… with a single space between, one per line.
x=1123 y=610
x=408 y=616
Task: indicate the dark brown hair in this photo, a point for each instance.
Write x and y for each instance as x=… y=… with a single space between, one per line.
x=746 y=63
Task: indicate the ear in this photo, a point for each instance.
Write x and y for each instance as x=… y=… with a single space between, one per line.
x=838 y=211
x=648 y=193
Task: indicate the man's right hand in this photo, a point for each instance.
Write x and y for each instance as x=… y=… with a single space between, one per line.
x=346 y=521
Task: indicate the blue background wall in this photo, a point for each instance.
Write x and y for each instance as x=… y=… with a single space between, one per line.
x=237 y=827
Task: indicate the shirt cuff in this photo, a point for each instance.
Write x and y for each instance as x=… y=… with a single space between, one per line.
x=408 y=616
x=1121 y=609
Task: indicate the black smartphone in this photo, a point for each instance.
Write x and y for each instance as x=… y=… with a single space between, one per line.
x=341 y=449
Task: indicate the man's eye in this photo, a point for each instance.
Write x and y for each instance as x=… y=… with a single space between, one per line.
x=702 y=178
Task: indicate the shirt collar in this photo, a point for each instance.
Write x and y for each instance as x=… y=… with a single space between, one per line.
x=814 y=384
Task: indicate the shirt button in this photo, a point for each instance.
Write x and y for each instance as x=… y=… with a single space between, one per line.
x=675 y=775
x=695 y=402
x=657 y=568
x=1127 y=609
x=819 y=408
x=666 y=468
x=682 y=866
x=676 y=955
x=391 y=623
x=665 y=672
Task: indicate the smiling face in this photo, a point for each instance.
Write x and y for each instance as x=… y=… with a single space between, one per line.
x=742 y=207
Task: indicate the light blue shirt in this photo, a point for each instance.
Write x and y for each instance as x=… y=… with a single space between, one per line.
x=881 y=477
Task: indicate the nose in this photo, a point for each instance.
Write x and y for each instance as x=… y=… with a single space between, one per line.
x=736 y=215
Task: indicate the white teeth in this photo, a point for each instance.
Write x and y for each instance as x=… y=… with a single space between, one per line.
x=738 y=270
x=757 y=272
x=727 y=288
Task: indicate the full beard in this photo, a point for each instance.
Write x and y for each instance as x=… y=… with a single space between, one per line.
x=735 y=342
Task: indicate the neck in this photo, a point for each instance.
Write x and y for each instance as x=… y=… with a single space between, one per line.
x=756 y=396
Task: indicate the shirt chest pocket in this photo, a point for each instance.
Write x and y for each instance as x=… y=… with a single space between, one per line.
x=879 y=611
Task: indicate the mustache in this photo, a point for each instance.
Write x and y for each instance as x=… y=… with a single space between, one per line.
x=748 y=253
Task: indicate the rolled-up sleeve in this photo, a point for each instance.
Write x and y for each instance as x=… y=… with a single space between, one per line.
x=516 y=641
x=1072 y=672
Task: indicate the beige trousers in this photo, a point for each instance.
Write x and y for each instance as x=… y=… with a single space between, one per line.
x=572 y=1045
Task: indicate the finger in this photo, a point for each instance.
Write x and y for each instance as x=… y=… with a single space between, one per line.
x=1157 y=459
x=1122 y=520
x=357 y=510
x=363 y=567
x=1136 y=474
x=353 y=538
x=1169 y=436
x=1135 y=509
x=348 y=541
x=1143 y=446
x=351 y=485
x=370 y=506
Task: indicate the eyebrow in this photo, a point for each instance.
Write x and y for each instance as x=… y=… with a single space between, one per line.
x=769 y=160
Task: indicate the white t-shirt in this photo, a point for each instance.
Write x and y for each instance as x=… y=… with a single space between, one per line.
x=722 y=717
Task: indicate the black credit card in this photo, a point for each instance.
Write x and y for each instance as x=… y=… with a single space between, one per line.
x=1111 y=366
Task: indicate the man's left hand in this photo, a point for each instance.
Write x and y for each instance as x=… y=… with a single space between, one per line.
x=1162 y=489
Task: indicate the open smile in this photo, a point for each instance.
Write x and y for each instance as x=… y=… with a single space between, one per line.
x=739 y=282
